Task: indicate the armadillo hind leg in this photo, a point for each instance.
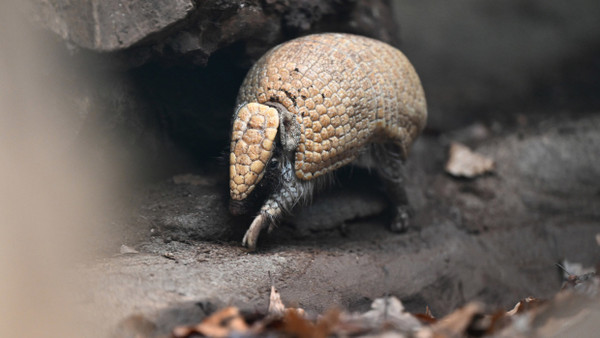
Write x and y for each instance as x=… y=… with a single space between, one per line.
x=402 y=211
x=391 y=171
x=290 y=190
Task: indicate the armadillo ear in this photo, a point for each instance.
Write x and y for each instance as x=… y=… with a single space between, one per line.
x=252 y=143
x=289 y=130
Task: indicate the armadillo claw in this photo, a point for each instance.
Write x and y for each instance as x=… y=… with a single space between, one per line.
x=251 y=237
x=401 y=220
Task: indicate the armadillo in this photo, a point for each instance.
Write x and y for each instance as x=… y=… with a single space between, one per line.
x=312 y=105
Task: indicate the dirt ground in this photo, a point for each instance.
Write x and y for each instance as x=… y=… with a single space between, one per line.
x=495 y=238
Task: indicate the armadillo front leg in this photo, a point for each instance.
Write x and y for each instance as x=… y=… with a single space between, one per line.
x=286 y=195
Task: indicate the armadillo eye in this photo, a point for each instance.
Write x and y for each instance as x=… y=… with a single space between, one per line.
x=273 y=164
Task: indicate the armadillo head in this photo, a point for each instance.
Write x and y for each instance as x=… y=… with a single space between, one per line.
x=255 y=127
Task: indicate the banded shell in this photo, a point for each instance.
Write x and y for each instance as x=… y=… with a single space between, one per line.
x=344 y=91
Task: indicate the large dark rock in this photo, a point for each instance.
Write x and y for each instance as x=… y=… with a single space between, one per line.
x=476 y=61
x=194 y=30
x=157 y=81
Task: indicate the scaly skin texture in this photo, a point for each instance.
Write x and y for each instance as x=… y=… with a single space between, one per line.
x=252 y=138
x=340 y=98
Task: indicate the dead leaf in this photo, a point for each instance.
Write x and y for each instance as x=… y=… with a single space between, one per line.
x=220 y=324
x=428 y=312
x=456 y=323
x=328 y=321
x=276 y=307
x=427 y=317
x=524 y=305
x=567 y=314
x=169 y=255
x=463 y=162
x=580 y=279
x=389 y=310
x=298 y=326
x=488 y=324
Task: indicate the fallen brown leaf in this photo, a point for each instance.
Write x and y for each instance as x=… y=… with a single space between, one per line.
x=389 y=311
x=328 y=321
x=487 y=324
x=567 y=314
x=427 y=317
x=456 y=323
x=276 y=307
x=524 y=305
x=298 y=326
x=463 y=162
x=220 y=324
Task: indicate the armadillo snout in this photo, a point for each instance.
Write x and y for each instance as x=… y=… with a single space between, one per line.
x=252 y=142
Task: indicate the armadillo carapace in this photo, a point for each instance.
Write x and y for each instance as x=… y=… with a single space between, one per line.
x=314 y=104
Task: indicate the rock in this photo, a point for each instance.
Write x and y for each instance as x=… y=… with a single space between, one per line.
x=194 y=30
x=137 y=73
x=110 y=25
x=161 y=106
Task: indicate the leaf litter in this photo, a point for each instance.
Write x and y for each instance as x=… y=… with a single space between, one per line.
x=388 y=318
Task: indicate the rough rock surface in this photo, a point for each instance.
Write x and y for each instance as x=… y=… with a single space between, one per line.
x=110 y=25
x=196 y=29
